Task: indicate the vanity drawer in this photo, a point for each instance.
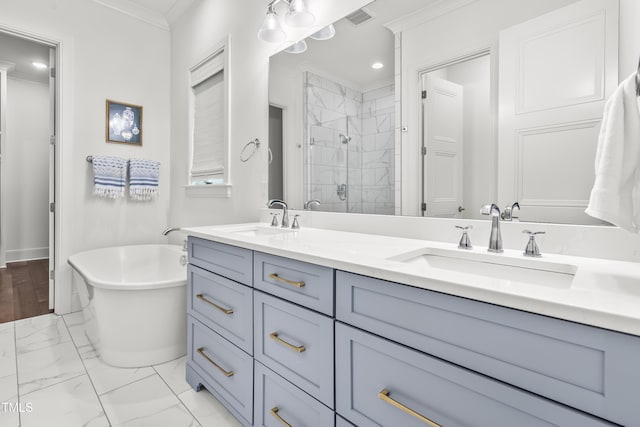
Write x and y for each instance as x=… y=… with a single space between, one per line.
x=296 y=343
x=224 y=366
x=592 y=369
x=380 y=382
x=276 y=398
x=223 y=305
x=228 y=261
x=306 y=284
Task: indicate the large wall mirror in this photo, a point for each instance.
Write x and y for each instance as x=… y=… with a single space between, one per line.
x=434 y=108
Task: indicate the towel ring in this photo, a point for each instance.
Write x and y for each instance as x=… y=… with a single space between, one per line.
x=256 y=144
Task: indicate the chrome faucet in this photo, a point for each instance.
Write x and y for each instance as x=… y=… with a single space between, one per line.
x=171 y=229
x=285 y=211
x=495 y=238
x=308 y=203
x=511 y=213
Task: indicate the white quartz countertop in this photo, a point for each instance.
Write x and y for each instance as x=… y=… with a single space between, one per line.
x=596 y=292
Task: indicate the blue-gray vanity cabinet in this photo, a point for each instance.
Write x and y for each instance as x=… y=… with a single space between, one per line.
x=592 y=369
x=297 y=343
x=306 y=284
x=222 y=304
x=382 y=383
x=225 y=370
x=228 y=261
x=277 y=402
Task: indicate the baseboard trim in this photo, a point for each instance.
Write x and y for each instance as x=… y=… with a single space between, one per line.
x=27 y=254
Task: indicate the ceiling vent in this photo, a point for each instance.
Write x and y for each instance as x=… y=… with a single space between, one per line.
x=359 y=17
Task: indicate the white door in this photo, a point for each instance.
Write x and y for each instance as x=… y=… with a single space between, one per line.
x=555 y=73
x=442 y=147
x=52 y=172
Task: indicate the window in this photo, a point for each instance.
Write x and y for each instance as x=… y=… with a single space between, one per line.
x=209 y=122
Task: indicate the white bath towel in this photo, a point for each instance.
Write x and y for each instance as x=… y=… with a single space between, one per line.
x=143 y=179
x=109 y=176
x=615 y=196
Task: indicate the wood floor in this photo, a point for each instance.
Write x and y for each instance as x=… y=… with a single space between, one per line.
x=24 y=290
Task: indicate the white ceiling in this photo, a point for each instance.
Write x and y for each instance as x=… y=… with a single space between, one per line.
x=348 y=56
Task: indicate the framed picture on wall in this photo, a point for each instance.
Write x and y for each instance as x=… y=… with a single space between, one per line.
x=124 y=123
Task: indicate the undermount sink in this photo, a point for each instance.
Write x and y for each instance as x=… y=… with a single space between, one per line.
x=258 y=231
x=495 y=266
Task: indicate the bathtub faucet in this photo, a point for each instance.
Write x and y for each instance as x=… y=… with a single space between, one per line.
x=170 y=229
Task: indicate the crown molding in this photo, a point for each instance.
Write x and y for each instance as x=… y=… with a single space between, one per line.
x=136 y=11
x=435 y=10
x=7 y=66
x=177 y=10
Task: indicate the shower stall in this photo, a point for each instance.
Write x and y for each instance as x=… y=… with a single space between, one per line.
x=350 y=149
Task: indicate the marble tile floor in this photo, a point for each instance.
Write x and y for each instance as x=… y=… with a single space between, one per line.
x=51 y=376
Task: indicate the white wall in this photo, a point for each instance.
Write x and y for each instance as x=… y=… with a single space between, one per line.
x=204 y=25
x=104 y=55
x=26 y=160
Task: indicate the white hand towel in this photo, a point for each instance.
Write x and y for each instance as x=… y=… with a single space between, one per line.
x=109 y=176
x=143 y=179
x=615 y=196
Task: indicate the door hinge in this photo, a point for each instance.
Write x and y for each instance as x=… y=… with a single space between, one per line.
x=52 y=207
x=424 y=207
x=52 y=72
x=52 y=140
x=424 y=94
x=52 y=274
x=424 y=151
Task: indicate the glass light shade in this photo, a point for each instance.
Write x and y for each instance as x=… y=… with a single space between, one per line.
x=299 y=14
x=271 y=31
x=297 y=47
x=324 y=33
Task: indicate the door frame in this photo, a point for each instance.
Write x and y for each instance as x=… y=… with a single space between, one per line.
x=489 y=49
x=54 y=160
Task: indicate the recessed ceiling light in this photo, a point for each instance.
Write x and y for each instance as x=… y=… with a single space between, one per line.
x=377 y=65
x=39 y=65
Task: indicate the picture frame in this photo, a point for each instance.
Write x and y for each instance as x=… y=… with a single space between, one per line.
x=123 y=123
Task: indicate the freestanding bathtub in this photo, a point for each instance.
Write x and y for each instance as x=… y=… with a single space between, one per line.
x=133 y=302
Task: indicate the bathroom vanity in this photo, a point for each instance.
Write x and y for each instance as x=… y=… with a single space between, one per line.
x=321 y=328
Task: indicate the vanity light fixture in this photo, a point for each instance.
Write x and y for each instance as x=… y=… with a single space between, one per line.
x=39 y=65
x=377 y=65
x=324 y=33
x=297 y=47
x=298 y=15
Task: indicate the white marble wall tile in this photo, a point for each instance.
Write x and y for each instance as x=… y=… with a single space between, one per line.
x=368 y=108
x=369 y=142
x=354 y=94
x=320 y=97
x=207 y=410
x=106 y=378
x=354 y=161
x=368 y=208
x=384 y=126
x=351 y=107
x=378 y=93
x=174 y=373
x=40 y=332
x=42 y=368
x=385 y=141
x=369 y=126
x=354 y=125
x=385 y=102
x=337 y=125
x=383 y=177
x=69 y=403
x=313 y=80
x=322 y=135
x=340 y=104
x=146 y=402
x=368 y=177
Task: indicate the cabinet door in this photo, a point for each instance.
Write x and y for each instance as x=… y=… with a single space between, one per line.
x=228 y=261
x=226 y=370
x=380 y=383
x=223 y=305
x=278 y=402
x=588 y=368
x=306 y=284
x=297 y=343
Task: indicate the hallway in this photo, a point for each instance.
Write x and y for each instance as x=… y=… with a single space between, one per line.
x=24 y=290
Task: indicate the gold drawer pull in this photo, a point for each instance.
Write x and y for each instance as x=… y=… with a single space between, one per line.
x=274 y=276
x=274 y=336
x=384 y=395
x=226 y=373
x=222 y=309
x=274 y=412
